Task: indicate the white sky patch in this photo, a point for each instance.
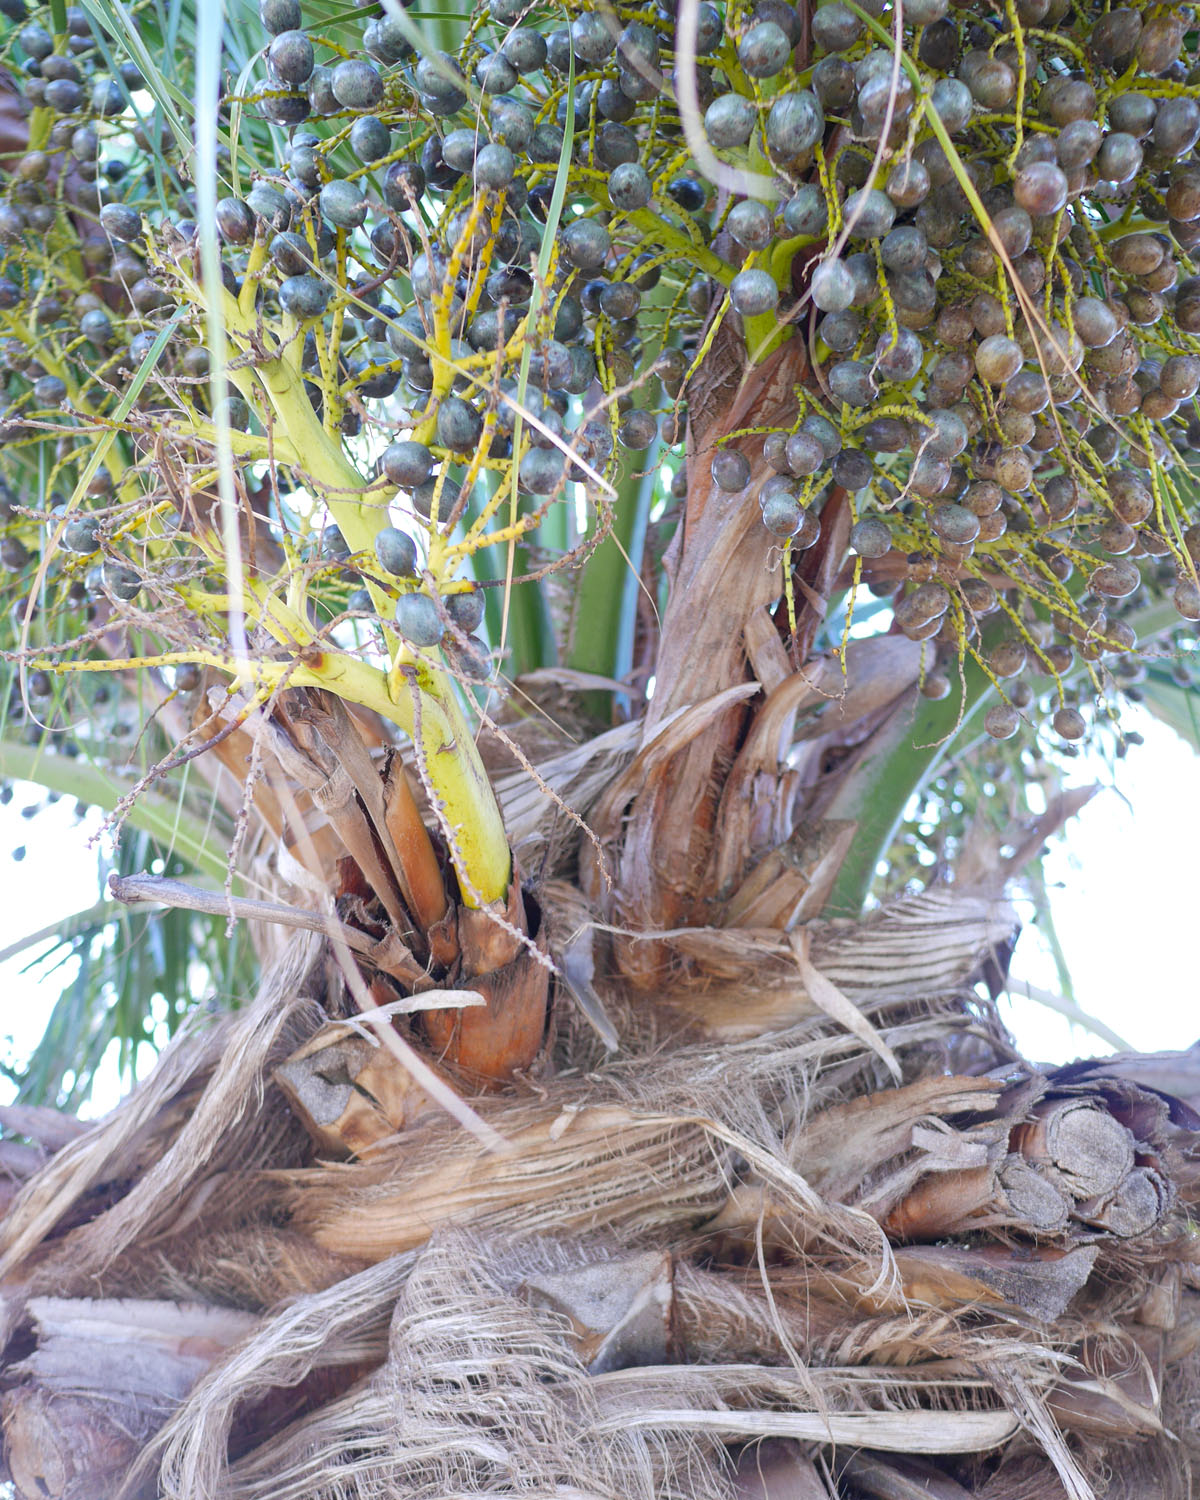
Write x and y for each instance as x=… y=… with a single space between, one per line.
x=1123 y=894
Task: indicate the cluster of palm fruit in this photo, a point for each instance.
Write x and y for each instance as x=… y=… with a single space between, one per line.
x=1006 y=312
x=979 y=219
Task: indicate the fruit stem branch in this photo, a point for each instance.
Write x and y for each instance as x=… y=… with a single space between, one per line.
x=482 y=858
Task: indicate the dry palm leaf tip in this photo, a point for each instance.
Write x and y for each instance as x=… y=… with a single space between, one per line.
x=300 y=393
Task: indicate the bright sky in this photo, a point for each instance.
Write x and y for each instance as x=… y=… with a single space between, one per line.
x=1124 y=901
x=1125 y=904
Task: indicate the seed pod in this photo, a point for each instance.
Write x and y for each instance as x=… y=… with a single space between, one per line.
x=1008 y=657
x=465 y=609
x=753 y=293
x=832 y=286
x=927 y=602
x=418 y=620
x=782 y=513
x=1115 y=580
x=1002 y=721
x=396 y=552
x=730 y=470
x=1070 y=724
x=870 y=537
x=120 y=221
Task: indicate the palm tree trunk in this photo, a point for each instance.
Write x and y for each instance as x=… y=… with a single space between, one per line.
x=768 y=1206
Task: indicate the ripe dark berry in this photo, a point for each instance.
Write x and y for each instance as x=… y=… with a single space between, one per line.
x=343 y=204
x=495 y=74
x=782 y=514
x=729 y=121
x=370 y=139
x=458 y=425
x=270 y=205
x=690 y=194
x=585 y=244
x=418 y=620
x=764 y=50
x=730 y=470
x=396 y=552
x=49 y=391
x=304 y=296
x=466 y=610
x=235 y=221
x=541 y=471
x=832 y=287
x=279 y=15
x=495 y=167
x=122 y=582
x=357 y=84
x=637 y=430
x=291 y=58
x=629 y=186
x=870 y=537
x=81 y=535
x=753 y=293
x=120 y=221
x=525 y=48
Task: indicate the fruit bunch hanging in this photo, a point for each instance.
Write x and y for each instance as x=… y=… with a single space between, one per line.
x=467 y=282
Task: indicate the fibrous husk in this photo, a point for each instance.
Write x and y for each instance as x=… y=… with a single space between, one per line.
x=102 y=1377
x=894 y=1478
x=345 y=1325
x=635 y=1147
x=224 y=1069
x=250 y=1264
x=916 y=948
x=70 y=1448
x=348 y=1093
x=1113 y=1391
x=531 y=1418
x=506 y=964
x=779 y=1469
x=623 y=1300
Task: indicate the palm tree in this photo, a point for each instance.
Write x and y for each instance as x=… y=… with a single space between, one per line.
x=577 y=1109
